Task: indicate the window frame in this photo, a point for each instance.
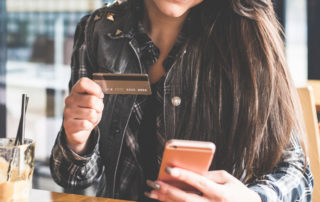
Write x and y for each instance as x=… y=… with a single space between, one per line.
x=3 y=61
x=313 y=8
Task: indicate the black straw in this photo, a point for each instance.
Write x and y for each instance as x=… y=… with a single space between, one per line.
x=24 y=119
x=21 y=128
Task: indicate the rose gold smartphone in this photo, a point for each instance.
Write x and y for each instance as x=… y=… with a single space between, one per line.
x=195 y=156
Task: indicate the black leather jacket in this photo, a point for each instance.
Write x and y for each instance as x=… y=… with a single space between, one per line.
x=118 y=53
x=103 y=45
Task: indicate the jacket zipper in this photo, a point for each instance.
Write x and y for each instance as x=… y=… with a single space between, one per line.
x=125 y=128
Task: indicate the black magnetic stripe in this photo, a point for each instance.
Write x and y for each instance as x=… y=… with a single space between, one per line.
x=122 y=78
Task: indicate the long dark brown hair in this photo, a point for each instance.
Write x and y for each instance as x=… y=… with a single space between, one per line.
x=242 y=97
x=240 y=94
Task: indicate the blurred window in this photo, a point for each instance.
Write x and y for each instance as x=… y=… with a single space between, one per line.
x=296 y=39
x=39 y=41
x=39 y=47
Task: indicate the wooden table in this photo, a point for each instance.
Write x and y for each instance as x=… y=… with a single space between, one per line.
x=48 y=196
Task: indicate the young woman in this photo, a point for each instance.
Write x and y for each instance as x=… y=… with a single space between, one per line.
x=218 y=73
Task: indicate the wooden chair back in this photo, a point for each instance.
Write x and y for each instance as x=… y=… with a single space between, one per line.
x=315 y=84
x=312 y=137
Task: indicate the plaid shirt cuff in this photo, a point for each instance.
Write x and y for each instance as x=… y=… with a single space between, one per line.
x=71 y=170
x=289 y=181
x=266 y=193
x=291 y=186
x=72 y=156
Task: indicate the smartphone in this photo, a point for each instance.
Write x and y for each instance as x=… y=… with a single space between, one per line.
x=195 y=156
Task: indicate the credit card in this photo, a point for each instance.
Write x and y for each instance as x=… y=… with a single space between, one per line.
x=134 y=84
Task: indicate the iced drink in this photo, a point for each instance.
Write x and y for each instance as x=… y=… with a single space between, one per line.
x=15 y=185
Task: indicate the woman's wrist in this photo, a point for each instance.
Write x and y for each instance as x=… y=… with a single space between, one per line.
x=78 y=148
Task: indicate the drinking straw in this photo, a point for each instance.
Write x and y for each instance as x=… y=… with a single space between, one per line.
x=20 y=133
x=24 y=118
x=21 y=128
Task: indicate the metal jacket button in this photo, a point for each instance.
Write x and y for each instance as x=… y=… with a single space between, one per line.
x=110 y=16
x=83 y=172
x=176 y=101
x=97 y=17
x=118 y=32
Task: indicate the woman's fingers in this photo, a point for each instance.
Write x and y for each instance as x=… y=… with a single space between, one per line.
x=87 y=86
x=219 y=176
x=215 y=186
x=82 y=114
x=84 y=101
x=201 y=183
x=77 y=125
x=83 y=111
x=166 y=192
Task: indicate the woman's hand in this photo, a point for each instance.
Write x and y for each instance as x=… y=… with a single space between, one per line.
x=82 y=113
x=214 y=186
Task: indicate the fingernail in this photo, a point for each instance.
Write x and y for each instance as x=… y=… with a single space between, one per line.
x=173 y=172
x=102 y=95
x=153 y=185
x=151 y=195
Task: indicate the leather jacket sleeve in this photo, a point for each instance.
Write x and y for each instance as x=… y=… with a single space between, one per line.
x=69 y=169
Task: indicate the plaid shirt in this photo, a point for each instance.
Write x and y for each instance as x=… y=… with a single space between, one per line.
x=287 y=182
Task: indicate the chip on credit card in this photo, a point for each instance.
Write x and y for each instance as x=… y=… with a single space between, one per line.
x=134 y=84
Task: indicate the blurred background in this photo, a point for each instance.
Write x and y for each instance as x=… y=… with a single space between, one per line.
x=36 y=38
